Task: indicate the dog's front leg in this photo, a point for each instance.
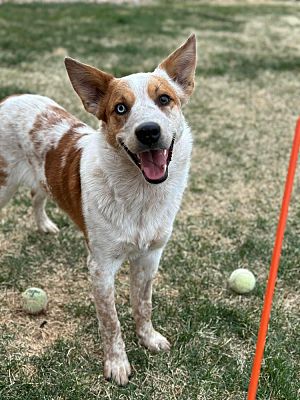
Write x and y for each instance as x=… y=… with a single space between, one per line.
x=116 y=365
x=142 y=273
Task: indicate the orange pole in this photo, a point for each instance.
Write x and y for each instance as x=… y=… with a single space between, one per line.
x=265 y=316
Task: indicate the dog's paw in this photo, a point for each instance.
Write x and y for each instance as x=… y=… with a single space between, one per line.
x=118 y=369
x=155 y=342
x=47 y=226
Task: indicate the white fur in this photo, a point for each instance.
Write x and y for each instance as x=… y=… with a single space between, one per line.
x=145 y=110
x=129 y=212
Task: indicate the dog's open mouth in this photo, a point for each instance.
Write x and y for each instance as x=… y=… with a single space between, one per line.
x=153 y=163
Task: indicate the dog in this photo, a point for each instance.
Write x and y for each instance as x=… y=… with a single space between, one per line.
x=122 y=185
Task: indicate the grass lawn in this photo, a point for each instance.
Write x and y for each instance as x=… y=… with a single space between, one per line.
x=242 y=114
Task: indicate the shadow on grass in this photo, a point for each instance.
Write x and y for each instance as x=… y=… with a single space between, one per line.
x=242 y=66
x=81 y=30
x=35 y=255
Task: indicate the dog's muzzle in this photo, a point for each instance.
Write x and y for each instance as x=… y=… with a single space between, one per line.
x=153 y=163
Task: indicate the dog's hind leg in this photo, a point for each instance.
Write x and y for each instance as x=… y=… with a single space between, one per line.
x=6 y=193
x=8 y=186
x=44 y=223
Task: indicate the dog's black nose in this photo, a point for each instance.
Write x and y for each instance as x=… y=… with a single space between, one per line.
x=148 y=133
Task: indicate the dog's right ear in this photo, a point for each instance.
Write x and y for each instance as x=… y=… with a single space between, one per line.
x=181 y=65
x=89 y=83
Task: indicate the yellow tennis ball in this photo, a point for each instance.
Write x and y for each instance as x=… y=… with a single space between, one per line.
x=34 y=300
x=242 y=281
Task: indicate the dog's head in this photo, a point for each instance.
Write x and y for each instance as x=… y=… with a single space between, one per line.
x=140 y=113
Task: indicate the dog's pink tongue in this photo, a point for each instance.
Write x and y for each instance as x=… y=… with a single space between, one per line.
x=154 y=163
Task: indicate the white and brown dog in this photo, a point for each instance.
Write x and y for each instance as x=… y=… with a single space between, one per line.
x=121 y=185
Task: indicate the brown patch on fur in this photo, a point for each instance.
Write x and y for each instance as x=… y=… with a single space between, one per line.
x=37 y=127
x=3 y=174
x=159 y=86
x=58 y=114
x=118 y=92
x=44 y=187
x=52 y=116
x=158 y=241
x=62 y=170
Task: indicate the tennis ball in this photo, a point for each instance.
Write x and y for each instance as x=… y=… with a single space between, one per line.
x=34 y=300
x=241 y=281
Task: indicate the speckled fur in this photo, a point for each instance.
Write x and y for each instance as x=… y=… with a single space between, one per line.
x=91 y=177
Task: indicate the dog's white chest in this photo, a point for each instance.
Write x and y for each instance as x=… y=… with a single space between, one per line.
x=132 y=226
x=124 y=214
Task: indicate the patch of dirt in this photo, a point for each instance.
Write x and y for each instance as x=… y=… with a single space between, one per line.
x=33 y=333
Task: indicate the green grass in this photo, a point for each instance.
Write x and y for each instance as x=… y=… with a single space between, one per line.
x=242 y=114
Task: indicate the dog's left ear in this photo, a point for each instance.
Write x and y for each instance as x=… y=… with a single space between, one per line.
x=181 y=66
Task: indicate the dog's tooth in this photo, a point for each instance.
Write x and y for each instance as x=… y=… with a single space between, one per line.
x=165 y=152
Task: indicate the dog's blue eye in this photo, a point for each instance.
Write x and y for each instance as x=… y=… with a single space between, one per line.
x=164 y=99
x=120 y=109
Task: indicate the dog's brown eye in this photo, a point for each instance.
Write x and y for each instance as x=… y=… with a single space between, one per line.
x=164 y=99
x=121 y=109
